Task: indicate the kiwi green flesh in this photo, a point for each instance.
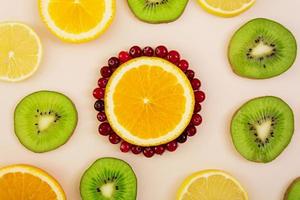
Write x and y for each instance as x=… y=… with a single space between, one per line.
x=157 y=11
x=44 y=121
x=108 y=179
x=262 y=128
x=293 y=192
x=262 y=49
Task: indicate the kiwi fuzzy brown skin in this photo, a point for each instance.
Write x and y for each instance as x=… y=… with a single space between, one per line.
x=37 y=151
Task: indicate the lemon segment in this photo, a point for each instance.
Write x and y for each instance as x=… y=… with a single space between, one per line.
x=20 y=51
x=149 y=101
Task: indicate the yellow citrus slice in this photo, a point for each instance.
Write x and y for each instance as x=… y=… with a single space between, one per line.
x=27 y=182
x=149 y=101
x=20 y=51
x=226 y=8
x=77 y=20
x=211 y=185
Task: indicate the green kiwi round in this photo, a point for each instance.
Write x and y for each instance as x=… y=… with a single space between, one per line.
x=262 y=128
x=108 y=179
x=44 y=121
x=262 y=49
x=293 y=191
x=157 y=11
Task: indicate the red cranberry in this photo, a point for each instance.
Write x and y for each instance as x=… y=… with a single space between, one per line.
x=199 y=96
x=105 y=72
x=196 y=119
x=113 y=63
x=135 y=51
x=173 y=57
x=161 y=51
x=114 y=138
x=182 y=138
x=191 y=130
x=99 y=105
x=159 y=149
x=190 y=74
x=195 y=83
x=148 y=152
x=124 y=56
x=98 y=93
x=148 y=51
x=102 y=82
x=101 y=116
x=183 y=65
x=172 y=146
x=125 y=147
x=105 y=129
x=197 y=107
x=136 y=149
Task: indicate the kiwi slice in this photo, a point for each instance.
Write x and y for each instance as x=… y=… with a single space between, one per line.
x=157 y=11
x=44 y=120
x=262 y=49
x=262 y=128
x=108 y=179
x=293 y=191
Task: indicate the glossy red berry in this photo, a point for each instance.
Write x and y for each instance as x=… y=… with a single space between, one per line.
x=125 y=147
x=196 y=120
x=99 y=105
x=161 y=51
x=182 y=138
x=101 y=117
x=98 y=93
x=114 y=138
x=159 y=149
x=197 y=107
x=105 y=129
x=196 y=83
x=113 y=63
x=135 y=51
x=124 y=56
x=190 y=74
x=105 y=72
x=148 y=51
x=172 y=146
x=173 y=57
x=136 y=149
x=148 y=152
x=183 y=65
x=191 y=130
x=199 y=96
x=102 y=82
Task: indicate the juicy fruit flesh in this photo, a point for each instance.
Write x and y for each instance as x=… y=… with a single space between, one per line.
x=262 y=49
x=226 y=6
x=262 y=128
x=19 y=51
x=76 y=16
x=293 y=192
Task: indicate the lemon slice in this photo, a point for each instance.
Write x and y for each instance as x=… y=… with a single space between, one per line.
x=27 y=182
x=149 y=101
x=226 y=8
x=211 y=185
x=77 y=20
x=20 y=51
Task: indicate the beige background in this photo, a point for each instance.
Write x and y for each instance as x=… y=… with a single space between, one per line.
x=202 y=39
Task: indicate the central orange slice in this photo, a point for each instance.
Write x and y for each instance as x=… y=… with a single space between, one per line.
x=149 y=101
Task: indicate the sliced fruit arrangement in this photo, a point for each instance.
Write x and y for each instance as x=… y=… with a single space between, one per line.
x=108 y=179
x=262 y=128
x=262 y=49
x=27 y=182
x=227 y=8
x=45 y=120
x=293 y=191
x=148 y=100
x=211 y=185
x=20 y=51
x=157 y=11
x=77 y=21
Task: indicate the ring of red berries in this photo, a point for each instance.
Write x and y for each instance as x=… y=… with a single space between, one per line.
x=124 y=56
